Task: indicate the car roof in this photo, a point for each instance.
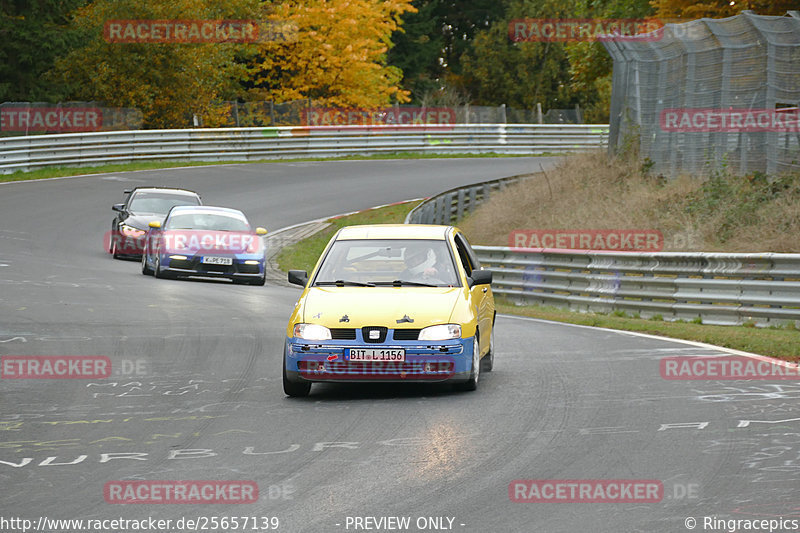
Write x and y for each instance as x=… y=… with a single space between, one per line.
x=394 y=231
x=207 y=209
x=182 y=192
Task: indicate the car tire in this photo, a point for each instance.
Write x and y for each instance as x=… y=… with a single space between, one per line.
x=146 y=270
x=157 y=268
x=260 y=281
x=472 y=383
x=292 y=389
x=488 y=359
x=114 y=253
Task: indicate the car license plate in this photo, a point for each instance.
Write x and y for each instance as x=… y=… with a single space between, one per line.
x=375 y=354
x=217 y=260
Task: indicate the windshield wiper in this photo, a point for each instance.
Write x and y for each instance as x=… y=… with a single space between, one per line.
x=342 y=283
x=401 y=282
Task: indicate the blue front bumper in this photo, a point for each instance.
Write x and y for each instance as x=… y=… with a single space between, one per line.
x=193 y=266
x=425 y=361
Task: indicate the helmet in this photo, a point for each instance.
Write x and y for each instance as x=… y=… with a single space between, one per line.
x=418 y=260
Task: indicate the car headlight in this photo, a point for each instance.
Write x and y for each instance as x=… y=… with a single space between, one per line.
x=312 y=332
x=442 y=332
x=130 y=231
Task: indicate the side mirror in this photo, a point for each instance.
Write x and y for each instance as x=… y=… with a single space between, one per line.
x=119 y=208
x=480 y=277
x=298 y=277
x=261 y=231
x=154 y=224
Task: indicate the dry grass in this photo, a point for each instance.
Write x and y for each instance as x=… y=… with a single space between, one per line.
x=591 y=191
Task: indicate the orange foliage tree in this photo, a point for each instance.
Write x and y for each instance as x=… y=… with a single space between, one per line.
x=338 y=57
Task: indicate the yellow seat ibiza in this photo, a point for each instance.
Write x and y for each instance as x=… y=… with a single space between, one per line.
x=386 y=302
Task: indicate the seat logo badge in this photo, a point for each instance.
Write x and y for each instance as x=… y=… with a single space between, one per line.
x=405 y=319
x=374 y=334
x=344 y=318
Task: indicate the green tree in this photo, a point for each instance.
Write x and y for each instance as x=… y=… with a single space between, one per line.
x=32 y=34
x=690 y=9
x=168 y=82
x=429 y=46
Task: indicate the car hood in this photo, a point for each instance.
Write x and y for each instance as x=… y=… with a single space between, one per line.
x=355 y=307
x=141 y=220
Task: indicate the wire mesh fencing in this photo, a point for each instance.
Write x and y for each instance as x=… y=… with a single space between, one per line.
x=710 y=93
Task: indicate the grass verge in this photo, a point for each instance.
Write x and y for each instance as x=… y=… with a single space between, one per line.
x=781 y=343
x=60 y=172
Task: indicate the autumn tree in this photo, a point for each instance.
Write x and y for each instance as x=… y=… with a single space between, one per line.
x=168 y=82
x=338 y=57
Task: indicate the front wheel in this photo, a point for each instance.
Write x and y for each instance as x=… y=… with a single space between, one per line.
x=146 y=270
x=291 y=388
x=472 y=383
x=159 y=272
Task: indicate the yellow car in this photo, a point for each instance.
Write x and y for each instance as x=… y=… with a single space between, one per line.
x=391 y=303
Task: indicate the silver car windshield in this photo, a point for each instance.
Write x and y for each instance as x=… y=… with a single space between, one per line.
x=206 y=221
x=374 y=262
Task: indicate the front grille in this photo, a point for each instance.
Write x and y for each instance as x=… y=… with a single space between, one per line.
x=248 y=269
x=343 y=334
x=382 y=331
x=406 y=334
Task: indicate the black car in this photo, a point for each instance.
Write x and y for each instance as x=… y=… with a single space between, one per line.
x=143 y=205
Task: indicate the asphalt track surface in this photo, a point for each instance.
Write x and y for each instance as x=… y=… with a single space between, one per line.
x=196 y=392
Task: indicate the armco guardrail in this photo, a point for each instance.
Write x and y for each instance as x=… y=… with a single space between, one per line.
x=450 y=206
x=242 y=144
x=717 y=288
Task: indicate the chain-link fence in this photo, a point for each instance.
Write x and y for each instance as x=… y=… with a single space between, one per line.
x=27 y=118
x=711 y=92
x=309 y=113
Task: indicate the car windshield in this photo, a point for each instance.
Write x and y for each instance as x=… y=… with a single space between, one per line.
x=159 y=202
x=206 y=221
x=373 y=262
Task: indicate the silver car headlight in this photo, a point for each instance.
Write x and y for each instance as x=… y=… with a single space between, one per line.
x=312 y=332
x=442 y=332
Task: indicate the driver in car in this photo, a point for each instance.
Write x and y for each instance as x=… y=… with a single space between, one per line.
x=423 y=265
